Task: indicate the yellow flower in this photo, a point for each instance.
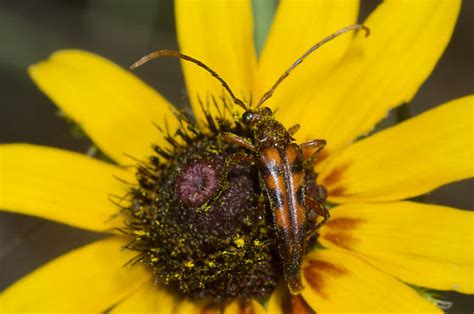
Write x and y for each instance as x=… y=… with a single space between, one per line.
x=375 y=244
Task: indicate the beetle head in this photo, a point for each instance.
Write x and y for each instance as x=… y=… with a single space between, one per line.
x=251 y=117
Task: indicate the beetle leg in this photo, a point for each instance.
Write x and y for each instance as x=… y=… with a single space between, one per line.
x=315 y=197
x=314 y=144
x=311 y=149
x=324 y=212
x=237 y=140
x=292 y=130
x=317 y=192
x=240 y=157
x=320 y=210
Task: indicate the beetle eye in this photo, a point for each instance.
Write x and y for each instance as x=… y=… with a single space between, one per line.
x=247 y=117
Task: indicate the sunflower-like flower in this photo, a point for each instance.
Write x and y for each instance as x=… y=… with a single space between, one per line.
x=374 y=250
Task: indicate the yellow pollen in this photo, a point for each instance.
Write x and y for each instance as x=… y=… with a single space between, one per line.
x=239 y=242
x=140 y=233
x=189 y=264
x=211 y=264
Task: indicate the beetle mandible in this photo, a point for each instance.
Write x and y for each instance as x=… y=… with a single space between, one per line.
x=280 y=164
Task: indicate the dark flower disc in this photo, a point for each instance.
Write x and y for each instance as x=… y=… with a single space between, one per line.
x=197 y=182
x=200 y=220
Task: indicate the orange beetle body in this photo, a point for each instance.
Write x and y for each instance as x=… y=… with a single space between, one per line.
x=282 y=173
x=282 y=177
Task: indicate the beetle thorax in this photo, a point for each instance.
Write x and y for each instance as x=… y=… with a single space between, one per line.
x=269 y=132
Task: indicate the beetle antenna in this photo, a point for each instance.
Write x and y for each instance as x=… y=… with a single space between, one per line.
x=346 y=29
x=177 y=54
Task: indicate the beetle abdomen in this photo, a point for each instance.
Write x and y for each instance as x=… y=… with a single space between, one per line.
x=282 y=174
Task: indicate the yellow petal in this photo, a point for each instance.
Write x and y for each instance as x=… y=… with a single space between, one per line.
x=412 y=158
x=59 y=185
x=336 y=281
x=379 y=72
x=186 y=306
x=149 y=299
x=282 y=302
x=252 y=307
x=426 y=245
x=89 y=279
x=257 y=308
x=299 y=25
x=220 y=34
x=115 y=108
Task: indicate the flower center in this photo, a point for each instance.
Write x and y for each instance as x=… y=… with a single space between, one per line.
x=202 y=221
x=197 y=182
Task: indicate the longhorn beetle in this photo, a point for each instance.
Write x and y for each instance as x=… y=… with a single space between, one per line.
x=280 y=165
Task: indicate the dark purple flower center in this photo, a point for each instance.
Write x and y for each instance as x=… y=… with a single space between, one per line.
x=197 y=183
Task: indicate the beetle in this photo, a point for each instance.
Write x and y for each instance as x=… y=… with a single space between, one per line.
x=281 y=171
x=281 y=166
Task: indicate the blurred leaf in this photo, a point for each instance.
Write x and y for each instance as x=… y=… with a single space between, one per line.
x=263 y=11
